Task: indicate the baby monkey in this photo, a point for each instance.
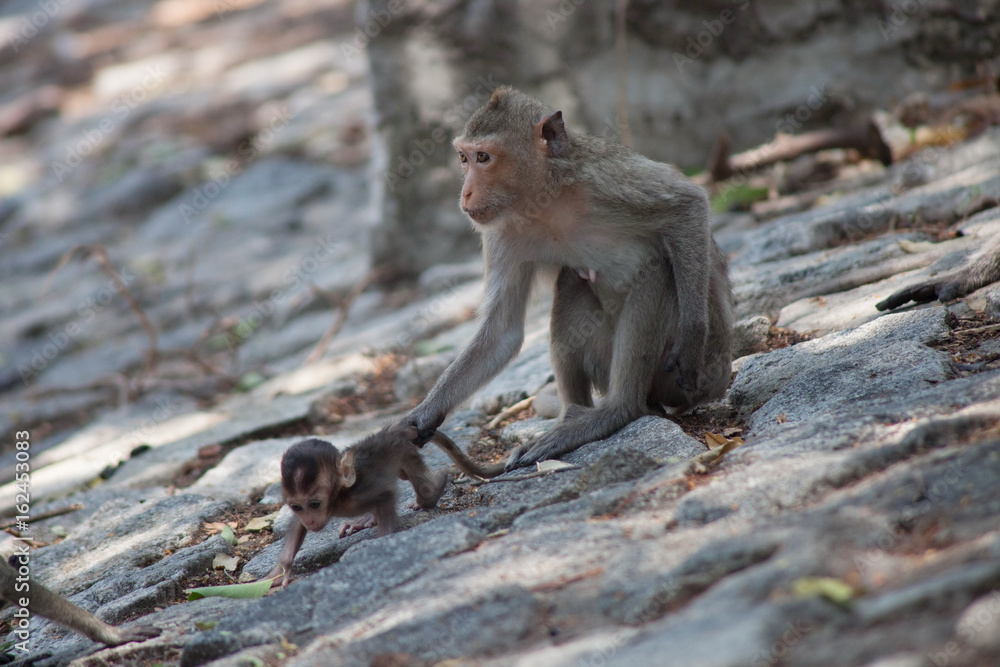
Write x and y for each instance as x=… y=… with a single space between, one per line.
x=318 y=483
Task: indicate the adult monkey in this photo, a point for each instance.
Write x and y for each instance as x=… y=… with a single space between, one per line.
x=642 y=309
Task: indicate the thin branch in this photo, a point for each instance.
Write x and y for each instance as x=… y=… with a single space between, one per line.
x=59 y=511
x=509 y=412
x=345 y=309
x=977 y=330
x=517 y=478
x=100 y=255
x=865 y=138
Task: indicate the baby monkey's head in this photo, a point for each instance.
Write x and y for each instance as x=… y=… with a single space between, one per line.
x=313 y=472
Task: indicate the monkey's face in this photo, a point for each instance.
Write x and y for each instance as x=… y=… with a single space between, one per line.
x=488 y=183
x=312 y=474
x=311 y=507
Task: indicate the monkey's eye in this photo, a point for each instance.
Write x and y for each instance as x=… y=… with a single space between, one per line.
x=295 y=508
x=314 y=504
x=482 y=157
x=462 y=157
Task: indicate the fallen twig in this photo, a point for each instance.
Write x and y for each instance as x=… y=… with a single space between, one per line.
x=865 y=138
x=345 y=308
x=699 y=465
x=556 y=584
x=509 y=412
x=41 y=516
x=518 y=478
x=100 y=255
x=977 y=330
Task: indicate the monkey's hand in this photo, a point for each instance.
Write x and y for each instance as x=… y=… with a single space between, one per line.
x=279 y=579
x=425 y=424
x=357 y=525
x=688 y=370
x=114 y=636
x=943 y=289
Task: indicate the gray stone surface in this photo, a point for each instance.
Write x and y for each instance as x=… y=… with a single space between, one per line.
x=872 y=453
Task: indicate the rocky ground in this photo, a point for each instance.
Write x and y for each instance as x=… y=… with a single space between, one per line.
x=224 y=182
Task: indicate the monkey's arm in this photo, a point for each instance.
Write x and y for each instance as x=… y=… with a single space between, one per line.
x=688 y=245
x=981 y=272
x=42 y=601
x=497 y=341
x=293 y=542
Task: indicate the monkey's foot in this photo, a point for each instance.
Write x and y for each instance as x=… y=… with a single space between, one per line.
x=138 y=633
x=687 y=375
x=357 y=525
x=527 y=455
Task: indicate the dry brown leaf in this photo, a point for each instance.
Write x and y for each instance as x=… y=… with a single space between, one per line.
x=259 y=523
x=214 y=528
x=700 y=464
x=225 y=561
x=714 y=440
x=782 y=418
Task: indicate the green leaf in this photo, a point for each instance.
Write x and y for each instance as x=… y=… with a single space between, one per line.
x=205 y=625
x=834 y=590
x=737 y=197
x=229 y=536
x=250 y=381
x=254 y=589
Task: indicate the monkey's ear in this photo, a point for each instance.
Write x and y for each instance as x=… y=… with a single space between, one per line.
x=553 y=130
x=346 y=469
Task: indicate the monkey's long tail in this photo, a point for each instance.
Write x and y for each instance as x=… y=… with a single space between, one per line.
x=464 y=463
